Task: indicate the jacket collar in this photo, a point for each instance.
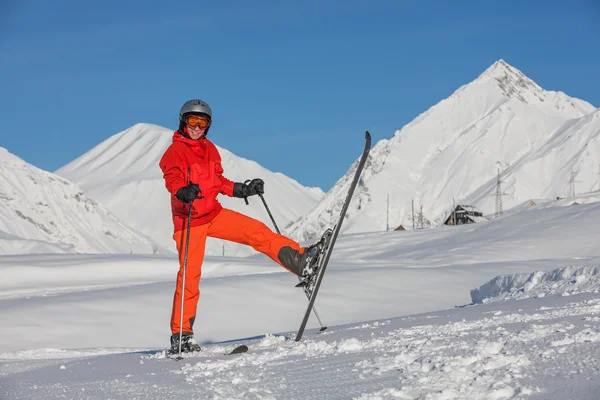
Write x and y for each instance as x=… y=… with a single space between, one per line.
x=178 y=137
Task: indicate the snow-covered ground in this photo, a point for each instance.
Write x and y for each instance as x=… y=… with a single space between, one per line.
x=94 y=327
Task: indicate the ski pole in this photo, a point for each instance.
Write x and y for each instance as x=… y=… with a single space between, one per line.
x=300 y=279
x=185 y=257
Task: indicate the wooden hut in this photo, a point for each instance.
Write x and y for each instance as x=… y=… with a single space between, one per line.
x=464 y=214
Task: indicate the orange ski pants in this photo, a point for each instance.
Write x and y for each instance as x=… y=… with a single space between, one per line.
x=227 y=225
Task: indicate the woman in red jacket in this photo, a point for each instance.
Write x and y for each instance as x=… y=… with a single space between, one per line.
x=194 y=177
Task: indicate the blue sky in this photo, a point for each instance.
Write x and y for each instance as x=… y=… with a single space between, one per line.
x=293 y=85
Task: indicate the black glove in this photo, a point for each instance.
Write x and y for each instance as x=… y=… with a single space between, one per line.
x=189 y=193
x=256 y=186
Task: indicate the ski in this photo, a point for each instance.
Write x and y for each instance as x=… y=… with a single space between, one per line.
x=328 y=248
x=237 y=350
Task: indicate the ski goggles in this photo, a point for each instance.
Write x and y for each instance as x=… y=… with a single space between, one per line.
x=196 y=120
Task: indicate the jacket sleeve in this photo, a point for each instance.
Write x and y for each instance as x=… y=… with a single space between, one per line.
x=226 y=184
x=173 y=171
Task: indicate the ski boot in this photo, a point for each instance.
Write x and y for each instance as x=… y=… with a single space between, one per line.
x=188 y=344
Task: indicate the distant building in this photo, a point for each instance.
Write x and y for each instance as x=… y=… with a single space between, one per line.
x=400 y=228
x=464 y=215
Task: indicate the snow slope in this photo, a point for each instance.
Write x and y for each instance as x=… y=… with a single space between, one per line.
x=123 y=175
x=43 y=212
x=538 y=349
x=453 y=151
x=93 y=327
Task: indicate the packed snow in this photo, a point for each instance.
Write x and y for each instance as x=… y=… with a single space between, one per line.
x=402 y=319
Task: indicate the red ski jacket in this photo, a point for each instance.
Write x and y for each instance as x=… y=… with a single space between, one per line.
x=204 y=163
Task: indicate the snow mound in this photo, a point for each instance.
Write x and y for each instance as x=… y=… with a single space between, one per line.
x=563 y=281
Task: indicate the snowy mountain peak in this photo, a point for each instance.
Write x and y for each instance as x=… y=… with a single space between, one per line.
x=451 y=153
x=513 y=82
x=502 y=70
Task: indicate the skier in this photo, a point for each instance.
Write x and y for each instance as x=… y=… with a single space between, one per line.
x=194 y=176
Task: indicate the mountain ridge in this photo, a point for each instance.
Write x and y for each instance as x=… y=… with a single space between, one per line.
x=45 y=212
x=452 y=153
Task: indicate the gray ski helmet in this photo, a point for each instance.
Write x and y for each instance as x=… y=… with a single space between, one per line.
x=195 y=107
